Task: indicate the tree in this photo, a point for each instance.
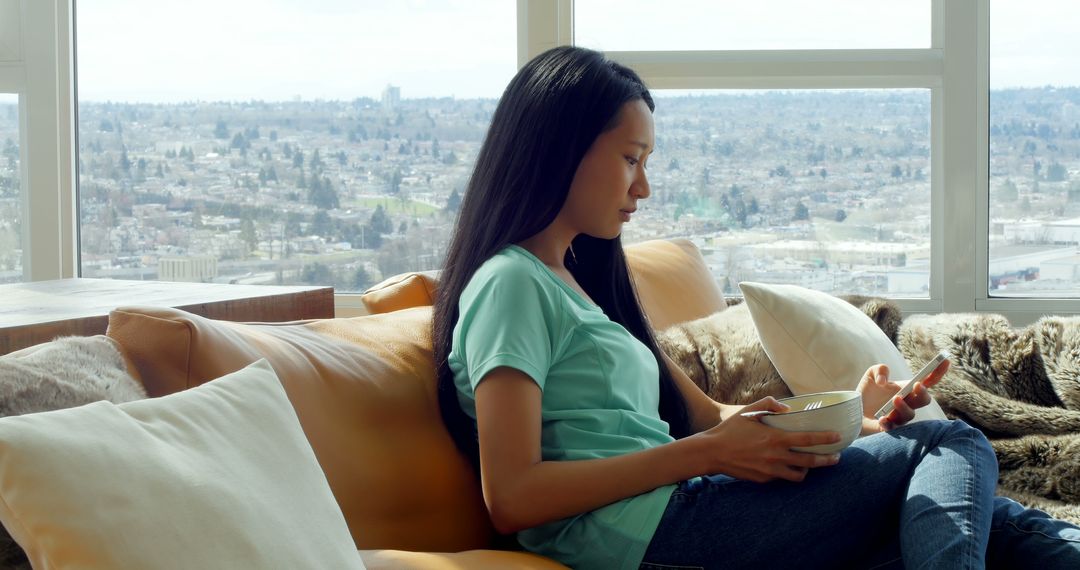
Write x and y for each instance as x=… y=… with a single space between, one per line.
x=841 y=215
x=322 y=194
x=316 y=274
x=402 y=227
x=394 y=181
x=897 y=172
x=1057 y=172
x=239 y=142
x=380 y=222
x=453 y=204
x=801 y=212
x=125 y=163
x=221 y=131
x=360 y=279
x=321 y=224
x=248 y=234
x=435 y=149
x=1009 y=192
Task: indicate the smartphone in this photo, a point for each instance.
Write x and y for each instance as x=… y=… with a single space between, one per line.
x=922 y=375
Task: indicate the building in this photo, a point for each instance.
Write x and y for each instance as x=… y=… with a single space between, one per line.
x=193 y=269
x=391 y=97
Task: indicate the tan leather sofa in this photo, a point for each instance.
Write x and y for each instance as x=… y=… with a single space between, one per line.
x=364 y=391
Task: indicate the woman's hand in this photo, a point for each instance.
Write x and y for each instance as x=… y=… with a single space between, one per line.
x=747 y=449
x=876 y=389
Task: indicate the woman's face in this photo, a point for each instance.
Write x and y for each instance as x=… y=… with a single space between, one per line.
x=611 y=179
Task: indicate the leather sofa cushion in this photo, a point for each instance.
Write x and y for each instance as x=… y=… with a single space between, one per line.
x=470 y=560
x=672 y=280
x=364 y=391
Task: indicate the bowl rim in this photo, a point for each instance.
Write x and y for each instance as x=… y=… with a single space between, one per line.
x=852 y=393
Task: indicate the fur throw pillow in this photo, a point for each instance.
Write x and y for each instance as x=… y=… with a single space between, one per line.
x=64 y=373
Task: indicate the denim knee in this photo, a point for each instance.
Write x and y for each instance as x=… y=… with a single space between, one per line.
x=936 y=432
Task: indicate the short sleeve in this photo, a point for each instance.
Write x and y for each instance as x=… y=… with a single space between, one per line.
x=507 y=318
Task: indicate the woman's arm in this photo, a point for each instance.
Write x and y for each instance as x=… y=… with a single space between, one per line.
x=704 y=412
x=521 y=490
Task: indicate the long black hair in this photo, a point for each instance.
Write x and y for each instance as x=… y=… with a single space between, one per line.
x=547 y=118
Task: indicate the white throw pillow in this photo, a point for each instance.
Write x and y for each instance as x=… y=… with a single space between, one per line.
x=218 y=476
x=819 y=342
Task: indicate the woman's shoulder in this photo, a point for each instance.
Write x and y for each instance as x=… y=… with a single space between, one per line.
x=507 y=265
x=508 y=270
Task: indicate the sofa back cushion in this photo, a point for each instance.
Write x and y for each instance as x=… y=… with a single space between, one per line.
x=364 y=392
x=672 y=280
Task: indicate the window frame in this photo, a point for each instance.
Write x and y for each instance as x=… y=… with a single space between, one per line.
x=959 y=130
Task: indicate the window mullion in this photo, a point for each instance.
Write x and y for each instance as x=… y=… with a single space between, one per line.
x=959 y=157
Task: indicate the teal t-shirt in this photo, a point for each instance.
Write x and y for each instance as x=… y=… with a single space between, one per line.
x=600 y=395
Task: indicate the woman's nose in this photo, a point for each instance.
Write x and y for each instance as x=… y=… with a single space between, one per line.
x=641 y=187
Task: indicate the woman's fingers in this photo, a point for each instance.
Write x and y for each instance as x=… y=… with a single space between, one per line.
x=811 y=460
x=768 y=403
x=936 y=375
x=902 y=412
x=918 y=397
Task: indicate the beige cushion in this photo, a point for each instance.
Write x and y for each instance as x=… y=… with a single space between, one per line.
x=216 y=477
x=364 y=390
x=820 y=343
x=469 y=560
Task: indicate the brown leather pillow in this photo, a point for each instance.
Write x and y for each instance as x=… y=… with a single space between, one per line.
x=673 y=282
x=364 y=390
x=401 y=292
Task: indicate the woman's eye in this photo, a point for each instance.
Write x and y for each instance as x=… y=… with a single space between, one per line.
x=631 y=160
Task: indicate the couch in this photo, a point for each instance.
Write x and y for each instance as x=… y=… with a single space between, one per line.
x=363 y=390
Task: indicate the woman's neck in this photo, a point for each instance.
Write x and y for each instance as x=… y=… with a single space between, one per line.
x=548 y=246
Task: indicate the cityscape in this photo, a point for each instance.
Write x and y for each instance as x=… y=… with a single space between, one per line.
x=824 y=189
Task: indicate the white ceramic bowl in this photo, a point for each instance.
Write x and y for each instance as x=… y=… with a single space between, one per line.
x=839 y=411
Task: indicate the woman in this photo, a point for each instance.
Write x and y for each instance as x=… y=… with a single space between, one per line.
x=596 y=449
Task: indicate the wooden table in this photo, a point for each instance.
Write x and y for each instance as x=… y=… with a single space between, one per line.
x=36 y=312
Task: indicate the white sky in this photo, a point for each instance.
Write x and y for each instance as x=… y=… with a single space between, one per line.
x=135 y=50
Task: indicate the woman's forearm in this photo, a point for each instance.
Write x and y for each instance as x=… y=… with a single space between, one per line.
x=553 y=490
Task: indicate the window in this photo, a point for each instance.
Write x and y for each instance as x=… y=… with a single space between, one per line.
x=11 y=195
x=317 y=143
x=1034 y=169
x=639 y=25
x=828 y=189
x=816 y=168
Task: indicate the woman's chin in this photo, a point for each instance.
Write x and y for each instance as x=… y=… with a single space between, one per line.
x=606 y=234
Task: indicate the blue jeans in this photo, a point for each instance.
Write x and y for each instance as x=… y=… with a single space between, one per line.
x=920 y=496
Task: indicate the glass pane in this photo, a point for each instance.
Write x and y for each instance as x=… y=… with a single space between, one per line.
x=11 y=198
x=767 y=24
x=321 y=142
x=825 y=189
x=1034 y=149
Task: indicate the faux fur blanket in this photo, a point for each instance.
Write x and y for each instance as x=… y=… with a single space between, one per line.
x=1020 y=386
x=64 y=373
